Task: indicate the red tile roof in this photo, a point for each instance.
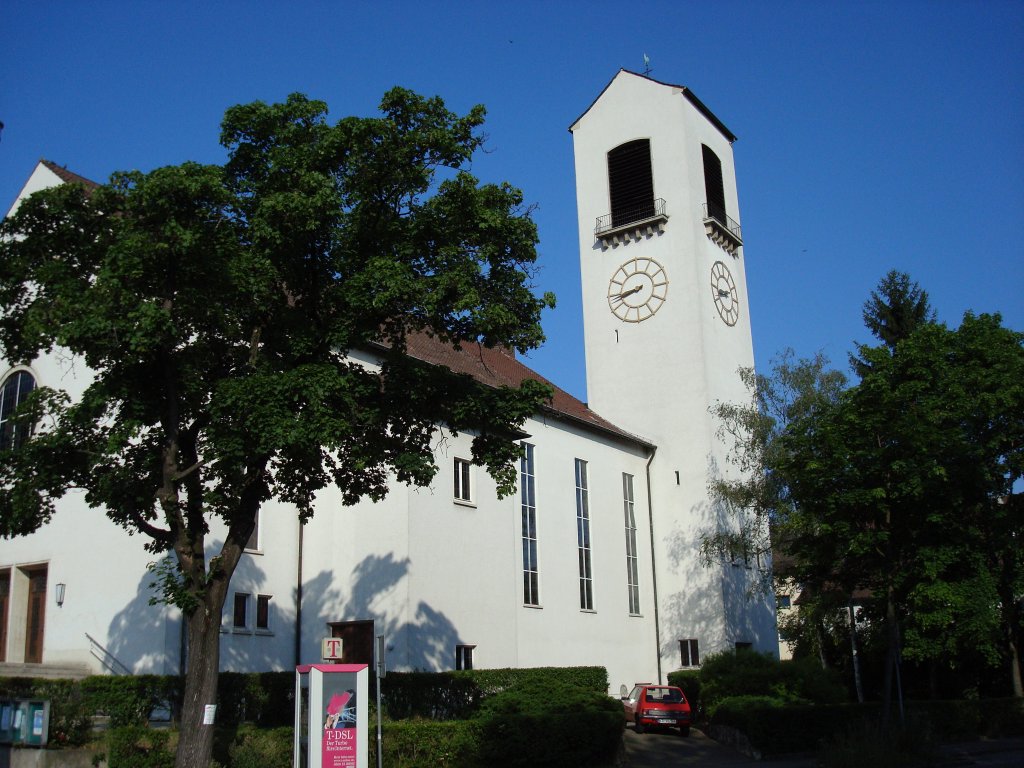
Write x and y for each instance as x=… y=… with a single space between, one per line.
x=498 y=367
x=67 y=176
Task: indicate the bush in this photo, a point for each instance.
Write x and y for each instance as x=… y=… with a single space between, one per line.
x=70 y=713
x=262 y=748
x=130 y=699
x=689 y=681
x=138 y=747
x=265 y=698
x=747 y=673
x=539 y=724
x=458 y=695
x=894 y=747
x=428 y=743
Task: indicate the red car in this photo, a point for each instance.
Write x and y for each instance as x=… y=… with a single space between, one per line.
x=658 y=705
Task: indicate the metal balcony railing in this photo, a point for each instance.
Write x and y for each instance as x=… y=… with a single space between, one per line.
x=653 y=209
x=713 y=212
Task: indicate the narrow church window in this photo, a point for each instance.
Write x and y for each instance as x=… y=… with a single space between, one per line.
x=632 y=572
x=528 y=505
x=464 y=656
x=16 y=388
x=463 y=490
x=631 y=182
x=714 y=188
x=583 y=537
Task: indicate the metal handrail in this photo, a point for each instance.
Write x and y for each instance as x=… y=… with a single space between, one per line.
x=712 y=211
x=106 y=658
x=652 y=209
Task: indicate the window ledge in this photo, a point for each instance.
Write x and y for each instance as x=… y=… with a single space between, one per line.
x=464 y=503
x=725 y=238
x=534 y=606
x=634 y=230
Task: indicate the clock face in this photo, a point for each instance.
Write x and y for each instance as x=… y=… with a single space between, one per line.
x=723 y=291
x=637 y=289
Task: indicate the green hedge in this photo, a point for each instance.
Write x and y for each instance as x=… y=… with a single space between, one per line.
x=138 y=747
x=747 y=673
x=689 y=681
x=427 y=743
x=458 y=695
x=774 y=728
x=130 y=699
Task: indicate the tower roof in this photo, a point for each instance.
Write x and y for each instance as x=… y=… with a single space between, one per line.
x=686 y=92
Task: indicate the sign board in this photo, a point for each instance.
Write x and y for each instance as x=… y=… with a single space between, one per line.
x=330 y=649
x=331 y=716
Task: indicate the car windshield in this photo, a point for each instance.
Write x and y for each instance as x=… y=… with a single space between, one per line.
x=666 y=695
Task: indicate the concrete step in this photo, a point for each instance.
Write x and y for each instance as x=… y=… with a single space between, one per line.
x=49 y=671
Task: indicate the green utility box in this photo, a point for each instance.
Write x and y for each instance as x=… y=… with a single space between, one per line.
x=24 y=721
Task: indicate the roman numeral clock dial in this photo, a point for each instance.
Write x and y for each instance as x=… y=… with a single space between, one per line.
x=637 y=290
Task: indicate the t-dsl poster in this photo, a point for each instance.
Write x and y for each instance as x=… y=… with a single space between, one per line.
x=340 y=735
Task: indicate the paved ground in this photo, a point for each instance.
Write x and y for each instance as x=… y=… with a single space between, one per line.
x=662 y=749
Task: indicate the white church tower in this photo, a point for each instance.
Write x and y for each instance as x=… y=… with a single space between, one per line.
x=667 y=326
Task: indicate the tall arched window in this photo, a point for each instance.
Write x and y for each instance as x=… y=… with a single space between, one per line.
x=13 y=392
x=630 y=182
x=714 y=188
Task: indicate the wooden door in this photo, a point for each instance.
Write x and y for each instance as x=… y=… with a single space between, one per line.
x=36 y=616
x=357 y=645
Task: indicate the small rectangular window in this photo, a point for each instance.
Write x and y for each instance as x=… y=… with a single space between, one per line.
x=240 y=615
x=783 y=601
x=463 y=488
x=464 y=656
x=689 y=652
x=263 y=612
x=743 y=646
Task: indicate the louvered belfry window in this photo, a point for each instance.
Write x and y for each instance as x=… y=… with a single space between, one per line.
x=630 y=182
x=713 y=186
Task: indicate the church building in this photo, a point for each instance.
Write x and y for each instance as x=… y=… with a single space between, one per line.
x=594 y=561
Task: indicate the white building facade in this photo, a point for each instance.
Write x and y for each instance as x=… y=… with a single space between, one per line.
x=594 y=562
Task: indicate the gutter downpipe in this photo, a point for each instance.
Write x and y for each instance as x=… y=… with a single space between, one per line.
x=654 y=568
x=298 y=598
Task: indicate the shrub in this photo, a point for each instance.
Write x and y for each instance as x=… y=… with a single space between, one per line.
x=868 y=744
x=138 y=747
x=130 y=699
x=262 y=748
x=458 y=695
x=428 y=743
x=539 y=724
x=754 y=674
x=689 y=681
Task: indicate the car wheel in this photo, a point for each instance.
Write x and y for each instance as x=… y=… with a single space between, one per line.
x=684 y=731
x=637 y=725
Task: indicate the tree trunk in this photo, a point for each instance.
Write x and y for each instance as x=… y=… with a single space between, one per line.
x=1015 y=676
x=855 y=653
x=195 y=746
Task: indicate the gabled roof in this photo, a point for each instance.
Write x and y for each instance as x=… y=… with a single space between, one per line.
x=686 y=92
x=498 y=367
x=68 y=176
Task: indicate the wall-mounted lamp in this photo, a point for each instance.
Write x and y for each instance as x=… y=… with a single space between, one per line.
x=61 y=586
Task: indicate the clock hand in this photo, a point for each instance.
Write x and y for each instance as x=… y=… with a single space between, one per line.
x=630 y=292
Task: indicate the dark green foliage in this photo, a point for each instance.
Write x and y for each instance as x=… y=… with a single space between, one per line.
x=429 y=743
x=263 y=698
x=690 y=681
x=897 y=746
x=262 y=748
x=455 y=695
x=896 y=308
x=138 y=747
x=130 y=699
x=538 y=724
x=747 y=673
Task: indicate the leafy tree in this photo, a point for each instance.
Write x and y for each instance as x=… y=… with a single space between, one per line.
x=215 y=307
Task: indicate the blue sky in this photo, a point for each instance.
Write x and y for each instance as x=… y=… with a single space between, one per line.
x=872 y=135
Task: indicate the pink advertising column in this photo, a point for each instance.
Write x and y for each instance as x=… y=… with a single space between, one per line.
x=331 y=729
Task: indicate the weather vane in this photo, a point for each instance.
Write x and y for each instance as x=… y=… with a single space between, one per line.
x=647 y=65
